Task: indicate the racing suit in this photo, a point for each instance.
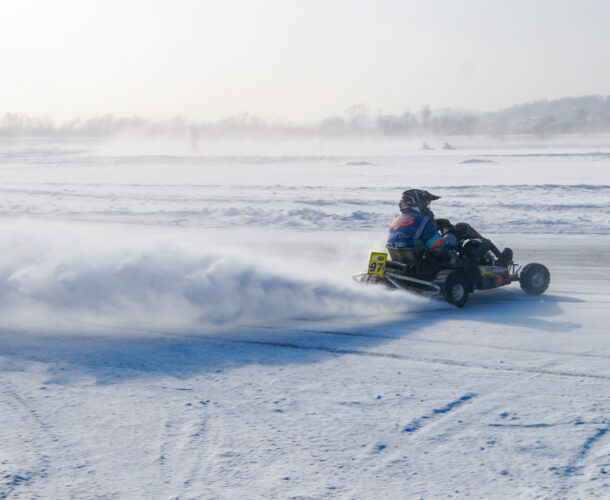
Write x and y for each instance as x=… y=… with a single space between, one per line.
x=414 y=230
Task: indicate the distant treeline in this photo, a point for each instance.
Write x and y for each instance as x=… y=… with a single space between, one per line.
x=589 y=114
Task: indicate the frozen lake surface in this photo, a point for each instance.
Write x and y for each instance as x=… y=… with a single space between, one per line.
x=184 y=325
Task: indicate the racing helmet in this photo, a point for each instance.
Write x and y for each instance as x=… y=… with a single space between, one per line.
x=418 y=200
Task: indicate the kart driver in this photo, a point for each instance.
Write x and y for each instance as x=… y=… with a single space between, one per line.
x=416 y=228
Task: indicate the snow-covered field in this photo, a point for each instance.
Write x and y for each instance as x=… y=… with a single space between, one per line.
x=184 y=325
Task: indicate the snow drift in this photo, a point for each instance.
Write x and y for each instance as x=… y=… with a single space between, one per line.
x=66 y=278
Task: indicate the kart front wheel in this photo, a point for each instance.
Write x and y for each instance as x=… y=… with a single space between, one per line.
x=455 y=287
x=534 y=279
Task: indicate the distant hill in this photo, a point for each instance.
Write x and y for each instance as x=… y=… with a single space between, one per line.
x=587 y=114
x=569 y=114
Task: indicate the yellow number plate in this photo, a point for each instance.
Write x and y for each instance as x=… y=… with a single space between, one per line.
x=377 y=263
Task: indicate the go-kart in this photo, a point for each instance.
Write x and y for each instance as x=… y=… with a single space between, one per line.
x=452 y=276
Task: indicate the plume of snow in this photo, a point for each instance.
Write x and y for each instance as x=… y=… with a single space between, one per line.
x=57 y=280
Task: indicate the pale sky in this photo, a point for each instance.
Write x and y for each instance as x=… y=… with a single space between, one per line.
x=299 y=60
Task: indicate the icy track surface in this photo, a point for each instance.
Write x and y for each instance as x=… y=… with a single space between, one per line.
x=184 y=326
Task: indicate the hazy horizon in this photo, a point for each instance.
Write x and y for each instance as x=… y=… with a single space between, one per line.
x=295 y=60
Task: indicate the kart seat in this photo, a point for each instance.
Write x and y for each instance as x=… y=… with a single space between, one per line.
x=407 y=255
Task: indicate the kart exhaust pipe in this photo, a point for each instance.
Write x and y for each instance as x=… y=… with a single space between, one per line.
x=399 y=266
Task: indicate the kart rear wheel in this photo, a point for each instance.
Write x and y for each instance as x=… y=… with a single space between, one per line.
x=534 y=279
x=454 y=287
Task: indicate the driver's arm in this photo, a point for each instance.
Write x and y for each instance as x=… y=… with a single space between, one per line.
x=430 y=236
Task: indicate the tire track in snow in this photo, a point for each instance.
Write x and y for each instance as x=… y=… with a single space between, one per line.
x=574 y=466
x=469 y=344
x=402 y=357
x=23 y=475
x=194 y=451
x=40 y=442
x=441 y=425
x=165 y=441
x=174 y=440
x=41 y=433
x=447 y=342
x=184 y=450
x=419 y=422
x=200 y=442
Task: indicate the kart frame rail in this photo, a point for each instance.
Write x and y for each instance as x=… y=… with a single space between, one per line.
x=395 y=279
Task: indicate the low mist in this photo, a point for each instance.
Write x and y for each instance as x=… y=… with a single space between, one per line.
x=589 y=114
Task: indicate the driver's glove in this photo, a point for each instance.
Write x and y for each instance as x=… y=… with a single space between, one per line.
x=443 y=225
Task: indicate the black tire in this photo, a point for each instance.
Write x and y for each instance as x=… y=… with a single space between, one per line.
x=534 y=279
x=454 y=287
